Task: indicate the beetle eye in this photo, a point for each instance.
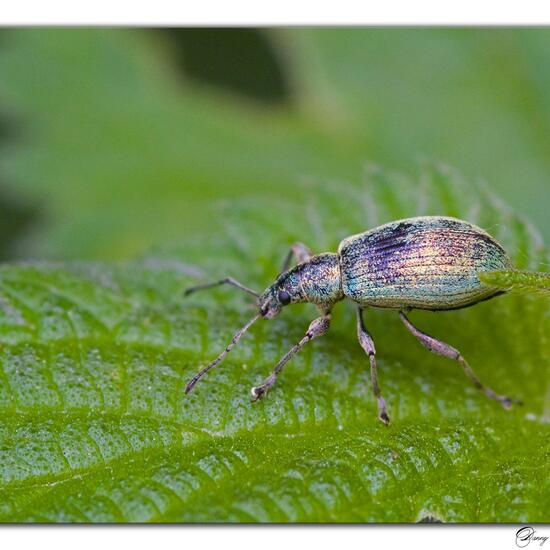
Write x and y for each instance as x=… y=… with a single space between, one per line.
x=284 y=297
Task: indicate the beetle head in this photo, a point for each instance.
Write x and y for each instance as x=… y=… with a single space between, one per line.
x=281 y=293
x=270 y=306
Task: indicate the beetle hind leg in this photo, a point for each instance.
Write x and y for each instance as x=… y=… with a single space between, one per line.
x=367 y=343
x=441 y=348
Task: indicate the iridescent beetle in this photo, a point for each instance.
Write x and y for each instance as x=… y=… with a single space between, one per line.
x=429 y=262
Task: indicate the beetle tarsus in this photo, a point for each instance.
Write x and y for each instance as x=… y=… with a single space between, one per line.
x=507 y=402
x=254 y=394
x=257 y=392
x=382 y=413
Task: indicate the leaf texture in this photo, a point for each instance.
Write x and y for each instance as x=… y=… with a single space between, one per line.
x=519 y=281
x=95 y=426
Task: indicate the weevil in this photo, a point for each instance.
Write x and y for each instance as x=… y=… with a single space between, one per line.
x=427 y=262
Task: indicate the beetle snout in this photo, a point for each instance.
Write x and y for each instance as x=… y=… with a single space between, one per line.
x=269 y=306
x=270 y=310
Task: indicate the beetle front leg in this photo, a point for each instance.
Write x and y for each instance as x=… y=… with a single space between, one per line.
x=300 y=252
x=367 y=343
x=441 y=348
x=317 y=328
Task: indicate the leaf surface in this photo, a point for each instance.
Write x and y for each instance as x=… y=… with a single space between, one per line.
x=519 y=281
x=95 y=426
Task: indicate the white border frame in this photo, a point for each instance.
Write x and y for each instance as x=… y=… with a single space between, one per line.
x=281 y=12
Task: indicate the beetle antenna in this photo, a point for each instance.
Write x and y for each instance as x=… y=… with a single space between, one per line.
x=227 y=281
x=221 y=356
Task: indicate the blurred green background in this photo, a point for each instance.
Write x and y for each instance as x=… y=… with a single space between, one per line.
x=114 y=140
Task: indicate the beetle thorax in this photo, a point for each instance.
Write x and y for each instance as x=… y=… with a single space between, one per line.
x=320 y=280
x=317 y=281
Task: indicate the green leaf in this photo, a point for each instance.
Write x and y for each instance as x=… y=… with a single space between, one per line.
x=518 y=281
x=94 y=424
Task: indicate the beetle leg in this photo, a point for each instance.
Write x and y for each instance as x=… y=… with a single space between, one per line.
x=317 y=328
x=226 y=281
x=441 y=348
x=300 y=252
x=367 y=343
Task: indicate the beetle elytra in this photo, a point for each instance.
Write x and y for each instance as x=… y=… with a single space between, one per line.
x=428 y=262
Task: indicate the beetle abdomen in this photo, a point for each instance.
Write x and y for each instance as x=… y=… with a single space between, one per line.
x=427 y=262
